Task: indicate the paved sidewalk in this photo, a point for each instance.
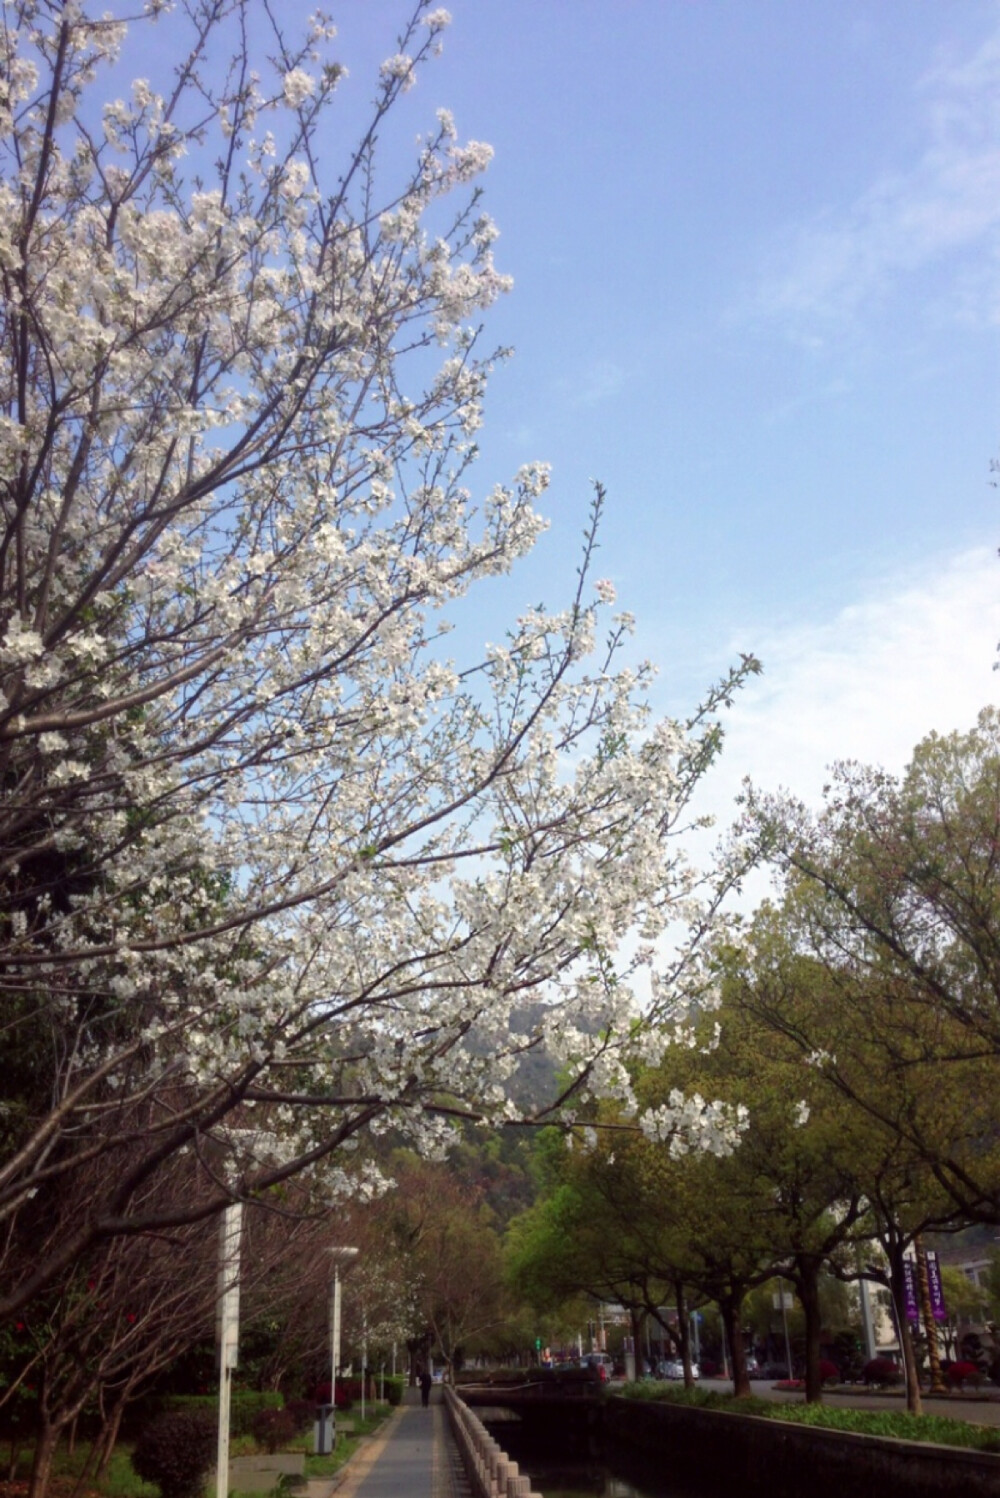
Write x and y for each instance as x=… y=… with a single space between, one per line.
x=411 y=1456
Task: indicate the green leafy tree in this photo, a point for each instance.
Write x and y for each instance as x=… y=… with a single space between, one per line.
x=893 y=890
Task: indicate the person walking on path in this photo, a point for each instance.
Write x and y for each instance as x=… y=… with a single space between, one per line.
x=425 y=1387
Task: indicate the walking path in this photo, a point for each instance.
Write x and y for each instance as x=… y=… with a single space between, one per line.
x=411 y=1456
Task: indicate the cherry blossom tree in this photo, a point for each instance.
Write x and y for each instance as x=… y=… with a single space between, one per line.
x=270 y=849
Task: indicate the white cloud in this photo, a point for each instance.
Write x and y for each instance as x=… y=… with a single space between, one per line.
x=943 y=211
x=868 y=684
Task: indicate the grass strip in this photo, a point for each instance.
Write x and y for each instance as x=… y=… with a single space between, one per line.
x=347 y=1443
x=900 y=1425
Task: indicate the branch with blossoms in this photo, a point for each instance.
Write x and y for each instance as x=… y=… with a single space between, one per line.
x=268 y=851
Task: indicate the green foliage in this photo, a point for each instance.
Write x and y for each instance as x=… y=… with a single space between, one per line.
x=347 y=1444
x=245 y=1405
x=121 y=1479
x=176 y=1451
x=893 y=891
x=302 y=1412
x=274 y=1428
x=898 y=1424
x=394 y=1390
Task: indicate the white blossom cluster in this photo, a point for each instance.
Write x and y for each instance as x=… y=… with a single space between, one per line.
x=691 y=1123
x=267 y=848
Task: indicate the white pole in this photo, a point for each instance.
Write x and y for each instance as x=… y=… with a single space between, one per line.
x=334 y=1337
x=339 y=1255
x=228 y=1332
x=364 y=1364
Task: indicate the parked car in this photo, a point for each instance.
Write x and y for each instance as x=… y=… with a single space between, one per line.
x=673 y=1368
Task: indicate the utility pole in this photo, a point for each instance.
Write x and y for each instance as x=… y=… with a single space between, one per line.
x=227 y=1324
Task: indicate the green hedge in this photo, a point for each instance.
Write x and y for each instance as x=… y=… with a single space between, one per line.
x=394 y=1389
x=898 y=1424
x=245 y=1404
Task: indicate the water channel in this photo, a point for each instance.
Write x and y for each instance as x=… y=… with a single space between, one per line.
x=603 y=1472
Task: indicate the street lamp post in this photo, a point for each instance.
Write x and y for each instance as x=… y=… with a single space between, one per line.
x=340 y=1256
x=227 y=1332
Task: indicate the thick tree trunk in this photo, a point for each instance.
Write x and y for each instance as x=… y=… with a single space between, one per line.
x=684 y=1333
x=730 y=1308
x=914 y=1398
x=45 y=1448
x=808 y=1288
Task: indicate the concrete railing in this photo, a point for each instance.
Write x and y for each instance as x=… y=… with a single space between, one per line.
x=490 y=1471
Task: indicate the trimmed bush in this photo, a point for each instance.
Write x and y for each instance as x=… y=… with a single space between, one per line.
x=273 y=1429
x=829 y=1372
x=881 y=1371
x=394 y=1390
x=175 y=1451
x=349 y=1391
x=960 y=1374
x=243 y=1406
x=302 y=1411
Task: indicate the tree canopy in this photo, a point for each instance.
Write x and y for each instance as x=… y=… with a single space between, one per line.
x=272 y=855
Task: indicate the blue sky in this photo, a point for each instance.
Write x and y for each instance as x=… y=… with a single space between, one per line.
x=756 y=254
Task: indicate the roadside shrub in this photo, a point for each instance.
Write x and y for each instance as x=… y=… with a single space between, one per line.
x=960 y=1374
x=273 y=1428
x=175 y=1451
x=302 y=1411
x=881 y=1371
x=243 y=1406
x=394 y=1390
x=348 y=1390
x=829 y=1372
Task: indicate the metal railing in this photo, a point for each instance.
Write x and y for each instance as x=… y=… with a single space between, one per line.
x=489 y=1469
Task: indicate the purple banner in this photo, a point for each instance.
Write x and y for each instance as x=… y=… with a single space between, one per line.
x=938 y=1308
x=910 y=1289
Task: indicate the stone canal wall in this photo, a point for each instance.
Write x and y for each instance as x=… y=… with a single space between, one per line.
x=759 y=1458
x=488 y=1468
